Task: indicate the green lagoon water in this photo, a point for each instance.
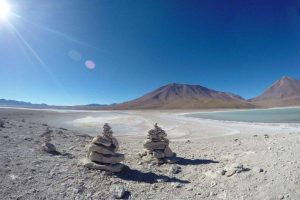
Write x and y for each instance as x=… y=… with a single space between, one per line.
x=286 y=115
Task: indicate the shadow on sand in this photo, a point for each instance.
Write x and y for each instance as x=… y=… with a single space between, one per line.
x=148 y=177
x=185 y=161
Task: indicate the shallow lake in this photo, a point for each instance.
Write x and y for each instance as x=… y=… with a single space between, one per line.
x=282 y=115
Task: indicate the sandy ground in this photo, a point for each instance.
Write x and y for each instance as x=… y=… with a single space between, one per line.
x=270 y=155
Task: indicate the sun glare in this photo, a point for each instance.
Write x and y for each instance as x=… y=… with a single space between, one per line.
x=4 y=10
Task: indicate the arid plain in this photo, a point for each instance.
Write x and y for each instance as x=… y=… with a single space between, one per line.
x=266 y=156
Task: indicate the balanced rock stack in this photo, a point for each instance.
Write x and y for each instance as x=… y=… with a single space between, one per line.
x=157 y=147
x=102 y=152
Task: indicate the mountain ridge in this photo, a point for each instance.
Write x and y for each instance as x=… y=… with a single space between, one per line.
x=283 y=92
x=185 y=96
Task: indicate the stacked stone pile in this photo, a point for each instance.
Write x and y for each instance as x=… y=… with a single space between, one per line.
x=157 y=148
x=102 y=152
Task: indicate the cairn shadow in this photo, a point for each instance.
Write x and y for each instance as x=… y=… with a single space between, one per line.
x=147 y=177
x=186 y=161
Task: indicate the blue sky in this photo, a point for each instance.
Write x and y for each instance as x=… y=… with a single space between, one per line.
x=139 y=45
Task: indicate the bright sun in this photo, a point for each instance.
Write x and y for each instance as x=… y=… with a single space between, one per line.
x=4 y=10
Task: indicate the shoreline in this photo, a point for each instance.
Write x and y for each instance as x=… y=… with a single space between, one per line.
x=135 y=124
x=185 y=111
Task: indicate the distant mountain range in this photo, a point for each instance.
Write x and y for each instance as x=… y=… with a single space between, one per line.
x=22 y=104
x=284 y=92
x=14 y=103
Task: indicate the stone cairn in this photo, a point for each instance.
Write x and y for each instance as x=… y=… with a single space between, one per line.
x=102 y=152
x=157 y=150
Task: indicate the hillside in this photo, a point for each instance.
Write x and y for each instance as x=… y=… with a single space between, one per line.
x=284 y=92
x=184 y=96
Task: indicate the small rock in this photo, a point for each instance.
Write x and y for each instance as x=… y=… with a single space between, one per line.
x=154 y=187
x=175 y=169
x=234 y=168
x=118 y=191
x=152 y=164
x=49 y=148
x=286 y=196
x=266 y=135
x=78 y=190
x=176 y=185
x=28 y=138
x=213 y=184
x=158 y=154
x=212 y=194
x=2 y=122
x=257 y=169
x=163 y=180
x=230 y=172
x=140 y=163
x=72 y=148
x=221 y=172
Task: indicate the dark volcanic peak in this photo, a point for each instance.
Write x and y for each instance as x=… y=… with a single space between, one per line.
x=286 y=87
x=176 y=95
x=185 y=91
x=284 y=92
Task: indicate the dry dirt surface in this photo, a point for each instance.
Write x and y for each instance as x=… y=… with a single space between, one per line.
x=242 y=166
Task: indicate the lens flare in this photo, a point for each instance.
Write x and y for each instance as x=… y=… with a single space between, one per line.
x=90 y=64
x=4 y=10
x=74 y=55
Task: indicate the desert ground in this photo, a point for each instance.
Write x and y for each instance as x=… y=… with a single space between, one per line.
x=267 y=157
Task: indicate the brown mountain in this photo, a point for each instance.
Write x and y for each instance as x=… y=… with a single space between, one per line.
x=284 y=92
x=183 y=96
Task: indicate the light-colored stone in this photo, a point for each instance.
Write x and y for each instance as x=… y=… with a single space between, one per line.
x=100 y=149
x=168 y=152
x=115 y=143
x=171 y=160
x=234 y=168
x=142 y=154
x=221 y=172
x=102 y=141
x=148 y=158
x=110 y=159
x=118 y=191
x=175 y=169
x=158 y=154
x=154 y=145
x=176 y=185
x=257 y=169
x=230 y=172
x=238 y=166
x=92 y=165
